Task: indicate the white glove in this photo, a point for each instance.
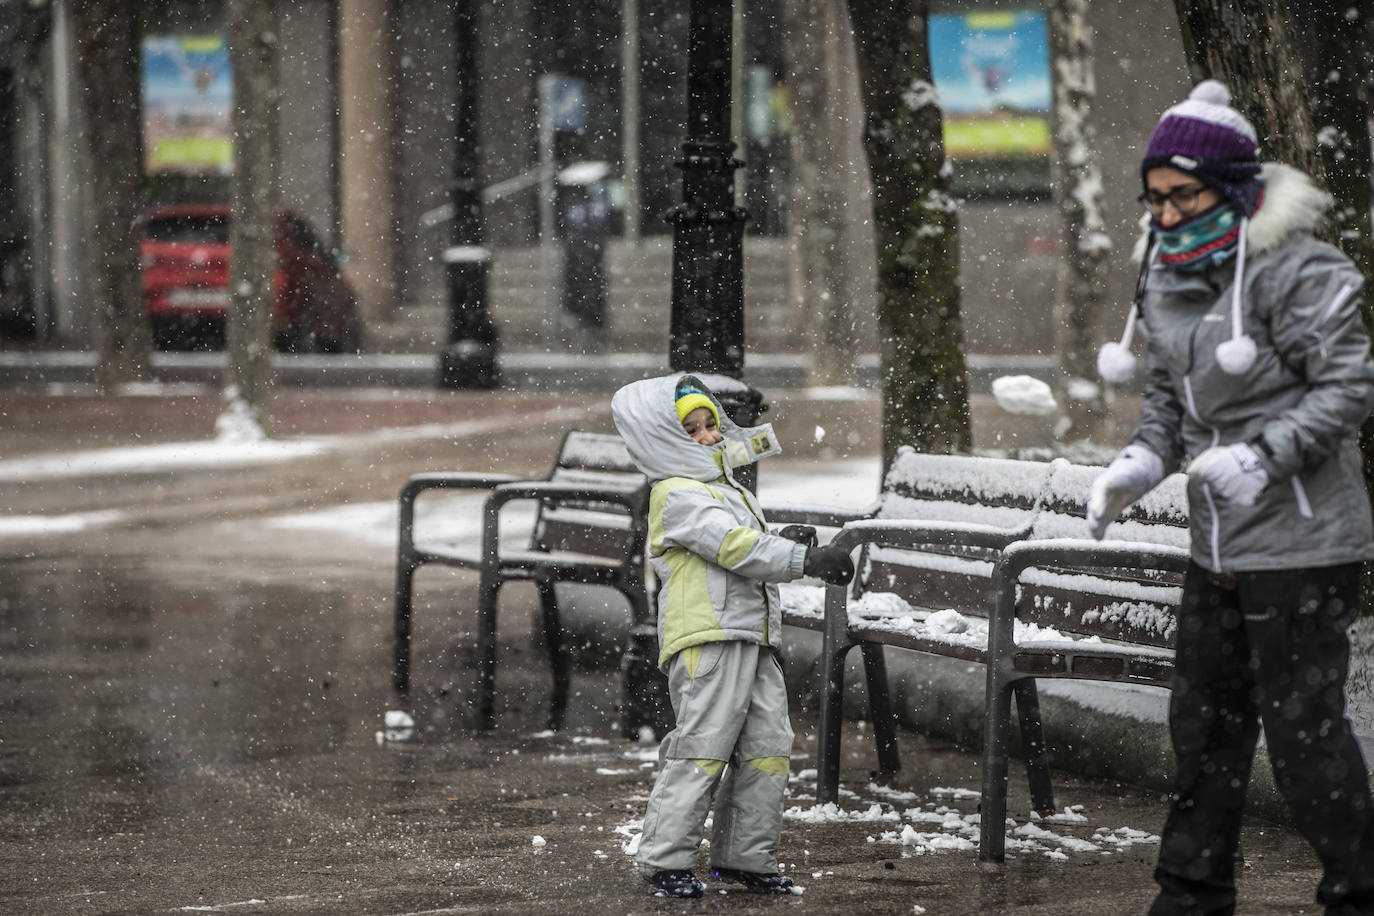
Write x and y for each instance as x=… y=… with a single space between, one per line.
x=1130 y=476
x=1234 y=473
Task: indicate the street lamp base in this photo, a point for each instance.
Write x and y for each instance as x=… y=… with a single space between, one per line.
x=469 y=364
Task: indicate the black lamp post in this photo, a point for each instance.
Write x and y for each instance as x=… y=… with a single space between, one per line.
x=469 y=360
x=707 y=319
x=706 y=328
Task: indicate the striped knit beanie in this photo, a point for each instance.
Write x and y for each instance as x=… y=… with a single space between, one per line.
x=1208 y=139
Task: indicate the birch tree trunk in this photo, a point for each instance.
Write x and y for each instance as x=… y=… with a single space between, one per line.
x=252 y=223
x=1083 y=269
x=924 y=378
x=831 y=266
x=107 y=49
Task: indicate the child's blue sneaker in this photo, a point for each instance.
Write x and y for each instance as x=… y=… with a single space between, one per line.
x=755 y=882
x=676 y=884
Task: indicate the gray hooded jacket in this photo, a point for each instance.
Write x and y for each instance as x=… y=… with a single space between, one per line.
x=708 y=542
x=1299 y=405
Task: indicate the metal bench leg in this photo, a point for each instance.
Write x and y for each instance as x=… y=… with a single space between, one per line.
x=558 y=654
x=835 y=643
x=880 y=708
x=996 y=724
x=400 y=665
x=831 y=724
x=1033 y=746
x=644 y=688
x=486 y=650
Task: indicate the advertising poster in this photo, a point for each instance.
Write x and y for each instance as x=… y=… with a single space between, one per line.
x=186 y=105
x=992 y=71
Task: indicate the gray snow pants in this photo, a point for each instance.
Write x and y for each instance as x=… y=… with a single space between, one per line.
x=1265 y=648
x=731 y=706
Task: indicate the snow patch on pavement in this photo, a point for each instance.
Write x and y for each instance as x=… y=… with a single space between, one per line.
x=33 y=525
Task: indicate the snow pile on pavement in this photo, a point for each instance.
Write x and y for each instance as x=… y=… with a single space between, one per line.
x=239 y=421
x=934 y=827
x=24 y=525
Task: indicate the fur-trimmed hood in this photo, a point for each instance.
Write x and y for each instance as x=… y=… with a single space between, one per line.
x=1292 y=203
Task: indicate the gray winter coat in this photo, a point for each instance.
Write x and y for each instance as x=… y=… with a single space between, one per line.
x=1299 y=405
x=708 y=542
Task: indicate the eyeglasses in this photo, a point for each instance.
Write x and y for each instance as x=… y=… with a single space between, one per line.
x=1184 y=199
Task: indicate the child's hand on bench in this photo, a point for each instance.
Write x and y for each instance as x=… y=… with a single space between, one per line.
x=801 y=534
x=829 y=564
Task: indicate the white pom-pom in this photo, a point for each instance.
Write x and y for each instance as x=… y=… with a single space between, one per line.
x=1115 y=363
x=1212 y=91
x=1236 y=355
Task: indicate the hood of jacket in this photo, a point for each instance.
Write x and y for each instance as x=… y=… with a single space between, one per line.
x=645 y=415
x=1292 y=203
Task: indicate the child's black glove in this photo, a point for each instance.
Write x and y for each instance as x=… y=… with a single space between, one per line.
x=802 y=534
x=829 y=564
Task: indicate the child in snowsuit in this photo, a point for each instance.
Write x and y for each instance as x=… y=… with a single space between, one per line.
x=1259 y=376
x=719 y=623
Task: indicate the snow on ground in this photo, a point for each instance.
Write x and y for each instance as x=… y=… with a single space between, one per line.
x=927 y=824
x=30 y=525
x=232 y=451
x=152 y=459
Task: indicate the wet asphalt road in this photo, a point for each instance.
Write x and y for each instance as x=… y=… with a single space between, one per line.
x=190 y=700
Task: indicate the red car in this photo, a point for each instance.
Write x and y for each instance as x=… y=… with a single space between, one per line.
x=186 y=283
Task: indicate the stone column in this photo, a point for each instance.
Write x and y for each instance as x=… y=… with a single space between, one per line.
x=365 y=179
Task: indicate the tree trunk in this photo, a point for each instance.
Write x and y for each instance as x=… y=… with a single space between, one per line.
x=1083 y=269
x=252 y=224
x=924 y=379
x=827 y=260
x=1335 y=48
x=1334 y=51
x=1246 y=45
x=107 y=49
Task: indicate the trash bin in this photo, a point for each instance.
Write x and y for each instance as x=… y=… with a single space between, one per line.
x=585 y=224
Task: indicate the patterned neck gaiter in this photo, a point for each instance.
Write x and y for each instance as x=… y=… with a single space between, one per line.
x=1208 y=238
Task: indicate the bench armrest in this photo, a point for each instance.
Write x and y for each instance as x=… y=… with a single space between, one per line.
x=1017 y=558
x=438 y=480
x=453 y=480
x=634 y=499
x=631 y=498
x=913 y=533
x=825 y=516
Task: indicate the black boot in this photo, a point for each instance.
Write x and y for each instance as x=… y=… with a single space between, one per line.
x=755 y=882
x=676 y=884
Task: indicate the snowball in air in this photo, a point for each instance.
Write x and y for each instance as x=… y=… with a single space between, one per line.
x=1022 y=394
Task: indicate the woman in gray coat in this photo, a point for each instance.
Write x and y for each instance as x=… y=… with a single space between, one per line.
x=1258 y=378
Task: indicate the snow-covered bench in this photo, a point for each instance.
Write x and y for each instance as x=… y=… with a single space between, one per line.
x=590 y=526
x=986 y=560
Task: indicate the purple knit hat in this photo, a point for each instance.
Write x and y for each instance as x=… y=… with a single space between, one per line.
x=1207 y=138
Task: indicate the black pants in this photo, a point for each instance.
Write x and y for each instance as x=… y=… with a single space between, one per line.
x=1265 y=647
